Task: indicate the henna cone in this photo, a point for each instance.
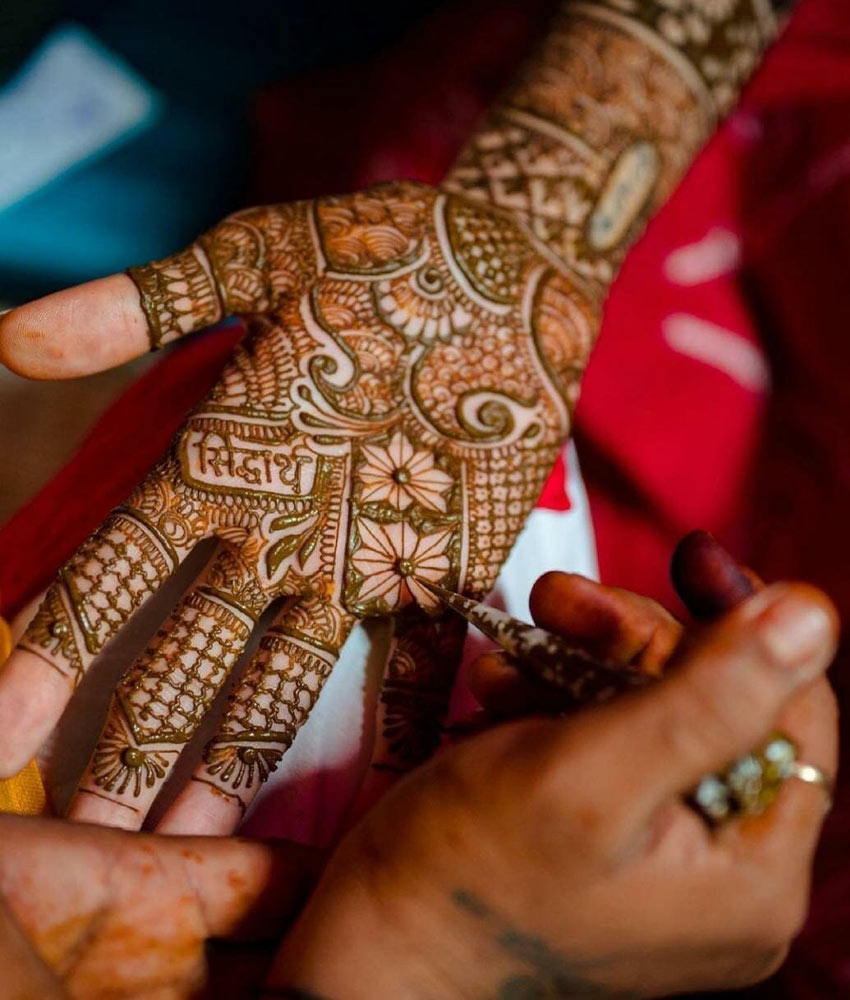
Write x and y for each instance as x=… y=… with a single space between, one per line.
x=544 y=655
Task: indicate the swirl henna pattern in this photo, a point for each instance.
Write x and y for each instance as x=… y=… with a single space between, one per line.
x=410 y=367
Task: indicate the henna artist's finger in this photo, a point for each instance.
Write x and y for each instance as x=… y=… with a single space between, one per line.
x=784 y=837
x=506 y=692
x=162 y=699
x=25 y=974
x=95 y=594
x=269 y=703
x=135 y=915
x=422 y=664
x=619 y=626
x=607 y=622
x=727 y=692
x=710 y=581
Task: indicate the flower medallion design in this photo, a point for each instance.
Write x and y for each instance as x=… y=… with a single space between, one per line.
x=400 y=475
x=392 y=557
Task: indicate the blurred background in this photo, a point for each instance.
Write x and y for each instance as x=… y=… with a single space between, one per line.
x=129 y=126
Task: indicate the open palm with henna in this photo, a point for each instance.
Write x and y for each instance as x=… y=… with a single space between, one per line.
x=410 y=366
x=391 y=416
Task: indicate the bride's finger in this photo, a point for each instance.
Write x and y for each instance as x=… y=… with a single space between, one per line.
x=163 y=698
x=419 y=675
x=77 y=331
x=96 y=593
x=248 y=263
x=269 y=703
x=106 y=322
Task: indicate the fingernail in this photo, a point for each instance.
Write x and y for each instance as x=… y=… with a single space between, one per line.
x=794 y=629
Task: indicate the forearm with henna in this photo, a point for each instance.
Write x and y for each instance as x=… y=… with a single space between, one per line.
x=605 y=119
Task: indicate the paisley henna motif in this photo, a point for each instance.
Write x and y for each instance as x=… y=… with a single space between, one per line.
x=408 y=376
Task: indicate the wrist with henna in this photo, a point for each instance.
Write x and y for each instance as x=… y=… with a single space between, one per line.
x=606 y=117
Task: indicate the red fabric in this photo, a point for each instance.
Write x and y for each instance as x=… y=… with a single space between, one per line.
x=555 y=492
x=677 y=427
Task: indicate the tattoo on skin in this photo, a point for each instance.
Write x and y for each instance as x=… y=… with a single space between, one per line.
x=412 y=360
x=547 y=974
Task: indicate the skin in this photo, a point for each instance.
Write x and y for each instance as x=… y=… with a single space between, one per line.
x=26 y=976
x=517 y=860
x=31 y=343
x=109 y=914
x=408 y=376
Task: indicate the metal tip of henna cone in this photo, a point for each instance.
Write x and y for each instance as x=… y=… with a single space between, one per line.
x=543 y=655
x=465 y=606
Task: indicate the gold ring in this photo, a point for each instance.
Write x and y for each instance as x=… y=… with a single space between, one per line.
x=748 y=785
x=813 y=775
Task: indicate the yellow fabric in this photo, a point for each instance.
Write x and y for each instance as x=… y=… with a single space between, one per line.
x=23 y=794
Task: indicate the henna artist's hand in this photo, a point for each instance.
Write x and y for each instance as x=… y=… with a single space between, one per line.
x=623 y=628
x=410 y=367
x=555 y=857
x=110 y=914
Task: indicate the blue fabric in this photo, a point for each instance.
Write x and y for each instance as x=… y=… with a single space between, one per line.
x=155 y=192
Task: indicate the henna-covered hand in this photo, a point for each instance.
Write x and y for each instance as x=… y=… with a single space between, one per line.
x=404 y=387
x=411 y=362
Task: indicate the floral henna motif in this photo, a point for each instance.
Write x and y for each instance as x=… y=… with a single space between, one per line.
x=400 y=475
x=118 y=766
x=411 y=363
